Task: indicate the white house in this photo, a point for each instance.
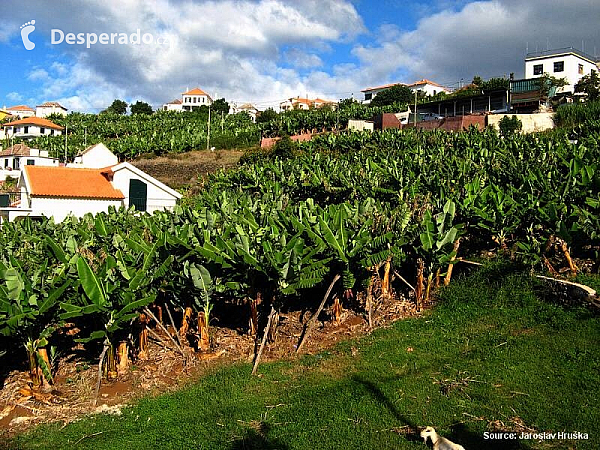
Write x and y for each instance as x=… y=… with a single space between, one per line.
x=95 y=157
x=22 y=111
x=562 y=63
x=427 y=86
x=303 y=103
x=60 y=192
x=248 y=108
x=47 y=108
x=17 y=156
x=190 y=101
x=175 y=105
x=31 y=127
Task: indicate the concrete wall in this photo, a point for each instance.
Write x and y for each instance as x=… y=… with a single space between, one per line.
x=269 y=142
x=360 y=125
x=531 y=122
x=457 y=123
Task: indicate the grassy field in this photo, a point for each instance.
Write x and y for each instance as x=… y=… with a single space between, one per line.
x=492 y=356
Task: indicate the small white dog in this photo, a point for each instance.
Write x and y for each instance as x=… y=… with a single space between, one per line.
x=439 y=442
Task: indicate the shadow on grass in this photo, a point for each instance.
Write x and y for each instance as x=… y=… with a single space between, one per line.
x=381 y=398
x=460 y=434
x=257 y=439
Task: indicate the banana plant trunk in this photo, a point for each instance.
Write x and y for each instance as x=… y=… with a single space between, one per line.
x=385 y=284
x=143 y=336
x=185 y=322
x=420 y=285
x=254 y=304
x=123 y=357
x=111 y=363
x=204 y=338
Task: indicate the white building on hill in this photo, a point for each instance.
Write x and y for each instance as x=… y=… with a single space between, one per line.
x=562 y=63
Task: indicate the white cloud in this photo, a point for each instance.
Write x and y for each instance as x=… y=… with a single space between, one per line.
x=486 y=38
x=14 y=97
x=268 y=50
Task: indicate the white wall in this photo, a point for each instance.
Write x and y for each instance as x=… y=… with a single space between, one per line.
x=158 y=199
x=96 y=157
x=43 y=111
x=61 y=208
x=570 y=72
x=531 y=122
x=32 y=130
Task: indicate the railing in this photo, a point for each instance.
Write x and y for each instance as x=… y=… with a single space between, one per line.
x=560 y=51
x=10 y=199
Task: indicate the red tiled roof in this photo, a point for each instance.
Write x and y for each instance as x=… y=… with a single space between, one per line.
x=16 y=150
x=51 y=104
x=425 y=81
x=70 y=182
x=196 y=91
x=385 y=86
x=175 y=102
x=20 y=108
x=34 y=121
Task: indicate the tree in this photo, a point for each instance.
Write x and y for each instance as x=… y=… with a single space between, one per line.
x=141 y=108
x=220 y=106
x=117 y=107
x=546 y=82
x=266 y=116
x=395 y=94
x=590 y=85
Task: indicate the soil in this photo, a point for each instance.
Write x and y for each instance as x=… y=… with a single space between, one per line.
x=73 y=392
x=187 y=169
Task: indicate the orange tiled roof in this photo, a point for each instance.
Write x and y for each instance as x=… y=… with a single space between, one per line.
x=34 y=121
x=175 y=102
x=67 y=182
x=196 y=91
x=50 y=104
x=20 y=108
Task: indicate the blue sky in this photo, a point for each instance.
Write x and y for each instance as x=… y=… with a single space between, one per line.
x=264 y=51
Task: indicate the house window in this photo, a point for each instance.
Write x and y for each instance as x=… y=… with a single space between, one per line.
x=25 y=129
x=138 y=194
x=194 y=99
x=42 y=130
x=580 y=69
x=559 y=66
x=16 y=164
x=538 y=69
x=369 y=96
x=31 y=162
x=51 y=132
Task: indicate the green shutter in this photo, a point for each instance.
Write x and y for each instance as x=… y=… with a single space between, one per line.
x=138 y=194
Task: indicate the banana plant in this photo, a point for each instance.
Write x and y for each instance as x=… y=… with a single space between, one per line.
x=437 y=240
x=29 y=313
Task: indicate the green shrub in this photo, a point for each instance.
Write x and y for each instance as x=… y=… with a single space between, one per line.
x=510 y=125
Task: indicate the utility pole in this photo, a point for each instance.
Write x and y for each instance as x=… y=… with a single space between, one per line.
x=415 y=108
x=66 y=134
x=85 y=136
x=208 y=136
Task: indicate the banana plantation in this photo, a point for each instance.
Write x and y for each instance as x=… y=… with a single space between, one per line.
x=396 y=209
x=171 y=132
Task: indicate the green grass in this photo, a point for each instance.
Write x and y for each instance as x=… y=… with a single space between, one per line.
x=490 y=351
